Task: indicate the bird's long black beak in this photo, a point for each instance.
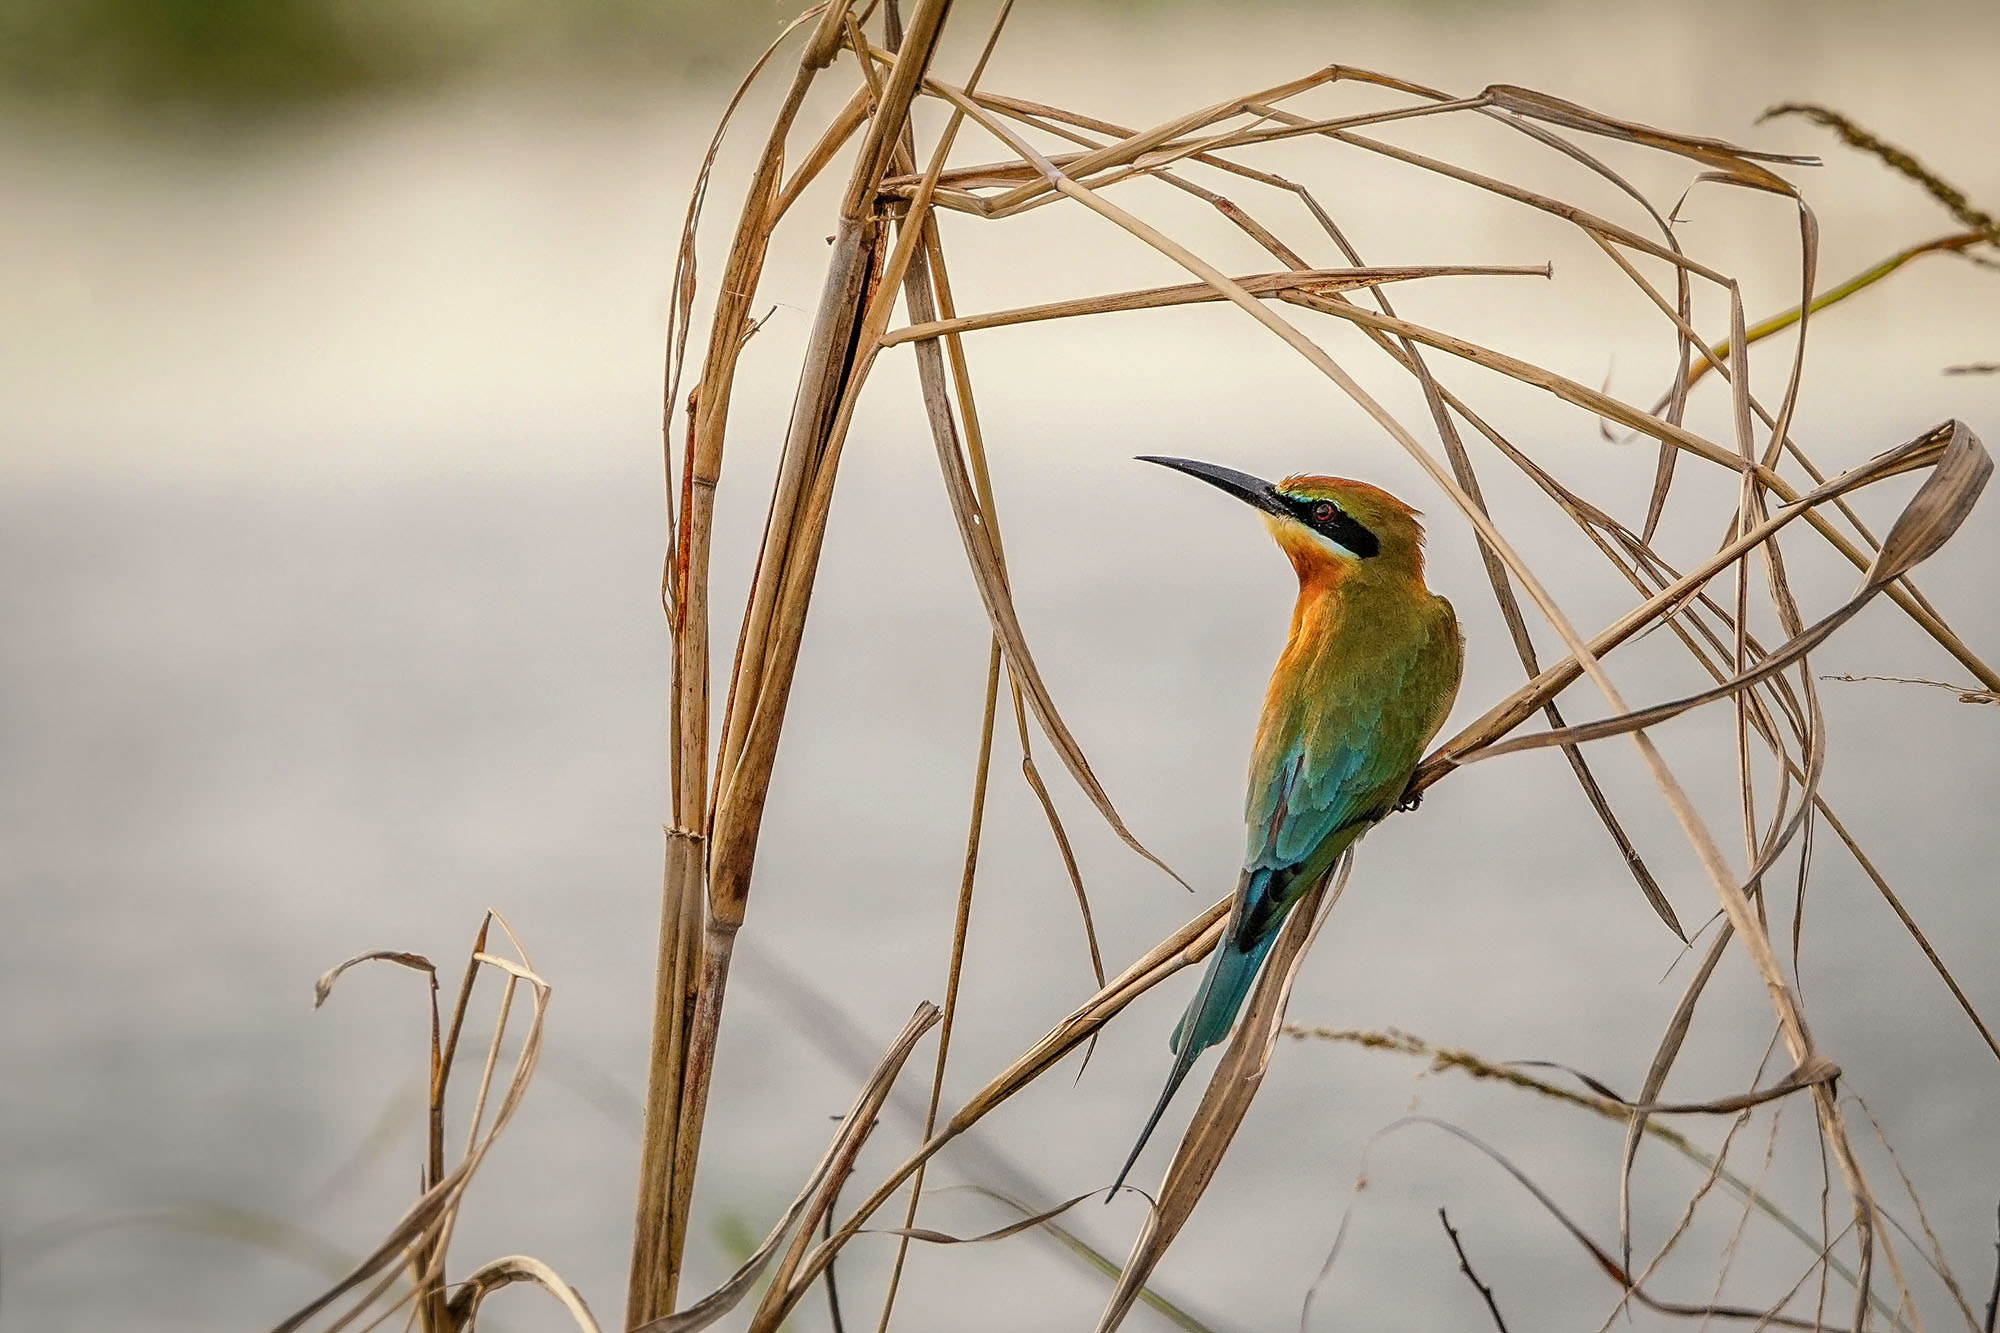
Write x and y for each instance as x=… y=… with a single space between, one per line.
x=1253 y=491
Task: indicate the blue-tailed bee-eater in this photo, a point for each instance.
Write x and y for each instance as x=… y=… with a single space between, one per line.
x=1366 y=678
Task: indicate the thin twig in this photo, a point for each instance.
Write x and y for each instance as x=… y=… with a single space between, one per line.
x=1465 y=1267
x=1993 y=1301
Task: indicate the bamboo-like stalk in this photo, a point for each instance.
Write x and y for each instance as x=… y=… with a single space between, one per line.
x=660 y=1225
x=767 y=652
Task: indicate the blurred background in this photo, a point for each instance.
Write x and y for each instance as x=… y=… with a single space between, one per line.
x=330 y=529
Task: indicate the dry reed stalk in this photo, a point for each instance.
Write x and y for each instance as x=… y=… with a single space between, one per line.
x=1769 y=688
x=1734 y=900
x=717 y=813
x=1227 y=1098
x=656 y=1234
x=414 y=1250
x=887 y=243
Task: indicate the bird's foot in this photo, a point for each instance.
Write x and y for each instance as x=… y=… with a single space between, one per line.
x=1411 y=800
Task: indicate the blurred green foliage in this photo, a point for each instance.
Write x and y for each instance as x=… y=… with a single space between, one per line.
x=227 y=51
x=259 y=56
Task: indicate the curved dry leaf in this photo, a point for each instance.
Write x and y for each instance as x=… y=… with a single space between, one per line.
x=989 y=573
x=1227 y=1098
x=860 y=1117
x=422 y=1228
x=415 y=961
x=488 y=1278
x=1732 y=163
x=1934 y=513
x=1186 y=946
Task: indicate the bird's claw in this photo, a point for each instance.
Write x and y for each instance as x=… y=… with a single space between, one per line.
x=1411 y=800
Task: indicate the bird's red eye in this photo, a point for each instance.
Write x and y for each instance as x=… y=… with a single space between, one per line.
x=1322 y=511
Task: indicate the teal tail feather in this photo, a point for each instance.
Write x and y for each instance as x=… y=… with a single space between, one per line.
x=1212 y=1012
x=1209 y=1016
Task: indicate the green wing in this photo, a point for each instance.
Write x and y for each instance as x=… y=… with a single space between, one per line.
x=1341 y=734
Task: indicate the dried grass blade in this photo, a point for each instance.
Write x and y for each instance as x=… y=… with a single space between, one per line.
x=1938 y=508
x=990 y=576
x=1227 y=1098
x=1186 y=946
x=1320 y=281
x=1933 y=514
x=419 y=1236
x=415 y=961
x=853 y=1127
x=488 y=1278
x=931 y=1237
x=1102 y=1263
x=1728 y=160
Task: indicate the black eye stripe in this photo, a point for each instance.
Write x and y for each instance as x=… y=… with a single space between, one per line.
x=1340 y=526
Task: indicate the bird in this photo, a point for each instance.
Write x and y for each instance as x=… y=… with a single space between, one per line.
x=1367 y=676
